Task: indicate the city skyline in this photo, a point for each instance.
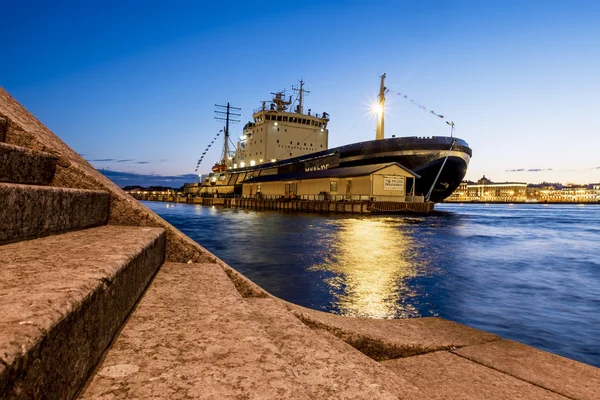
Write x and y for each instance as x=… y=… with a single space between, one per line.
x=133 y=89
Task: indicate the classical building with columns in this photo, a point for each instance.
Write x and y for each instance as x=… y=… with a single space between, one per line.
x=484 y=190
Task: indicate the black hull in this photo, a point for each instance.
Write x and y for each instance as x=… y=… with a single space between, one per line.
x=424 y=156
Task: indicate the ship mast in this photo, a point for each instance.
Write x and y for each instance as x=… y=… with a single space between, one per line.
x=227 y=117
x=381 y=108
x=301 y=91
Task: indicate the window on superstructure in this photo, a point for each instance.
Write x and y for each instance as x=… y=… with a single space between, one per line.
x=290 y=154
x=277 y=140
x=305 y=144
x=298 y=144
x=279 y=118
x=285 y=119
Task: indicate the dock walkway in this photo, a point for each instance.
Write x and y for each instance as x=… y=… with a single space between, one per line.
x=349 y=207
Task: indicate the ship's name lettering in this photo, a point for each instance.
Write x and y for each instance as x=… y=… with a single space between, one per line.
x=317 y=167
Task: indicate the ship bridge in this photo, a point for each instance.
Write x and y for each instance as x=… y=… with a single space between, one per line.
x=278 y=133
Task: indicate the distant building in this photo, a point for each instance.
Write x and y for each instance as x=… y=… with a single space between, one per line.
x=487 y=191
x=508 y=192
x=570 y=194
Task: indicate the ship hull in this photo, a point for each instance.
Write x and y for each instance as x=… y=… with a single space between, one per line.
x=427 y=157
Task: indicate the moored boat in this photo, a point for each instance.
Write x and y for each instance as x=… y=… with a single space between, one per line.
x=283 y=139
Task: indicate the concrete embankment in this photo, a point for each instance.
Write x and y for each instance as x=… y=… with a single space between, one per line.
x=110 y=301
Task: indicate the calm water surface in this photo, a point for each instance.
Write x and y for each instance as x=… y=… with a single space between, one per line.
x=525 y=272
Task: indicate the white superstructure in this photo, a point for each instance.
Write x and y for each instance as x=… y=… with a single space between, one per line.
x=278 y=133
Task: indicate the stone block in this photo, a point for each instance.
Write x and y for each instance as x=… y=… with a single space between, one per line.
x=62 y=300
x=28 y=212
x=21 y=165
x=561 y=375
x=193 y=336
x=3 y=128
x=443 y=375
x=327 y=366
x=384 y=339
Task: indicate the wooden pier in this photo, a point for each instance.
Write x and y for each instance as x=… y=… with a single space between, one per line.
x=350 y=207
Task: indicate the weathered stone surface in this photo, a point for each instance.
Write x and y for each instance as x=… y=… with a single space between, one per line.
x=33 y=211
x=21 y=165
x=385 y=339
x=193 y=336
x=570 y=378
x=3 y=126
x=443 y=375
x=327 y=366
x=245 y=286
x=63 y=298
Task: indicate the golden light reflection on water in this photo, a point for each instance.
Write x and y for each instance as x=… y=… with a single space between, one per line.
x=370 y=261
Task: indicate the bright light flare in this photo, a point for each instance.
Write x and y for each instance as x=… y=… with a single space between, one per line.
x=376 y=109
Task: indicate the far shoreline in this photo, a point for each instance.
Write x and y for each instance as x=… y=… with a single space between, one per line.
x=523 y=202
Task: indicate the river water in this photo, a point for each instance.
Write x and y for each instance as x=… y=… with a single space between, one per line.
x=530 y=273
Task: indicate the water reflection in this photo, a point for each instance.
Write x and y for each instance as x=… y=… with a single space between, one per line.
x=369 y=262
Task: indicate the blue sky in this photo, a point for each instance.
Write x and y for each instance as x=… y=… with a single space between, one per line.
x=132 y=85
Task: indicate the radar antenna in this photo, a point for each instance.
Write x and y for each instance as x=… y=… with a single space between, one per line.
x=278 y=103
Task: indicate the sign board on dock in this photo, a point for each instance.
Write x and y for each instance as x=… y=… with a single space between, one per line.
x=393 y=183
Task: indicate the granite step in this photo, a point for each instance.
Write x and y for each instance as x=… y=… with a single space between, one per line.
x=62 y=300
x=3 y=128
x=327 y=366
x=558 y=374
x=22 y=165
x=193 y=336
x=383 y=339
x=34 y=211
x=442 y=375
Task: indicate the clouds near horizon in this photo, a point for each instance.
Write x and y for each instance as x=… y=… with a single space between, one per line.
x=122 y=179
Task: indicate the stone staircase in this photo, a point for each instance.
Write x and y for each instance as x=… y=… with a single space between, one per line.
x=100 y=298
x=67 y=280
